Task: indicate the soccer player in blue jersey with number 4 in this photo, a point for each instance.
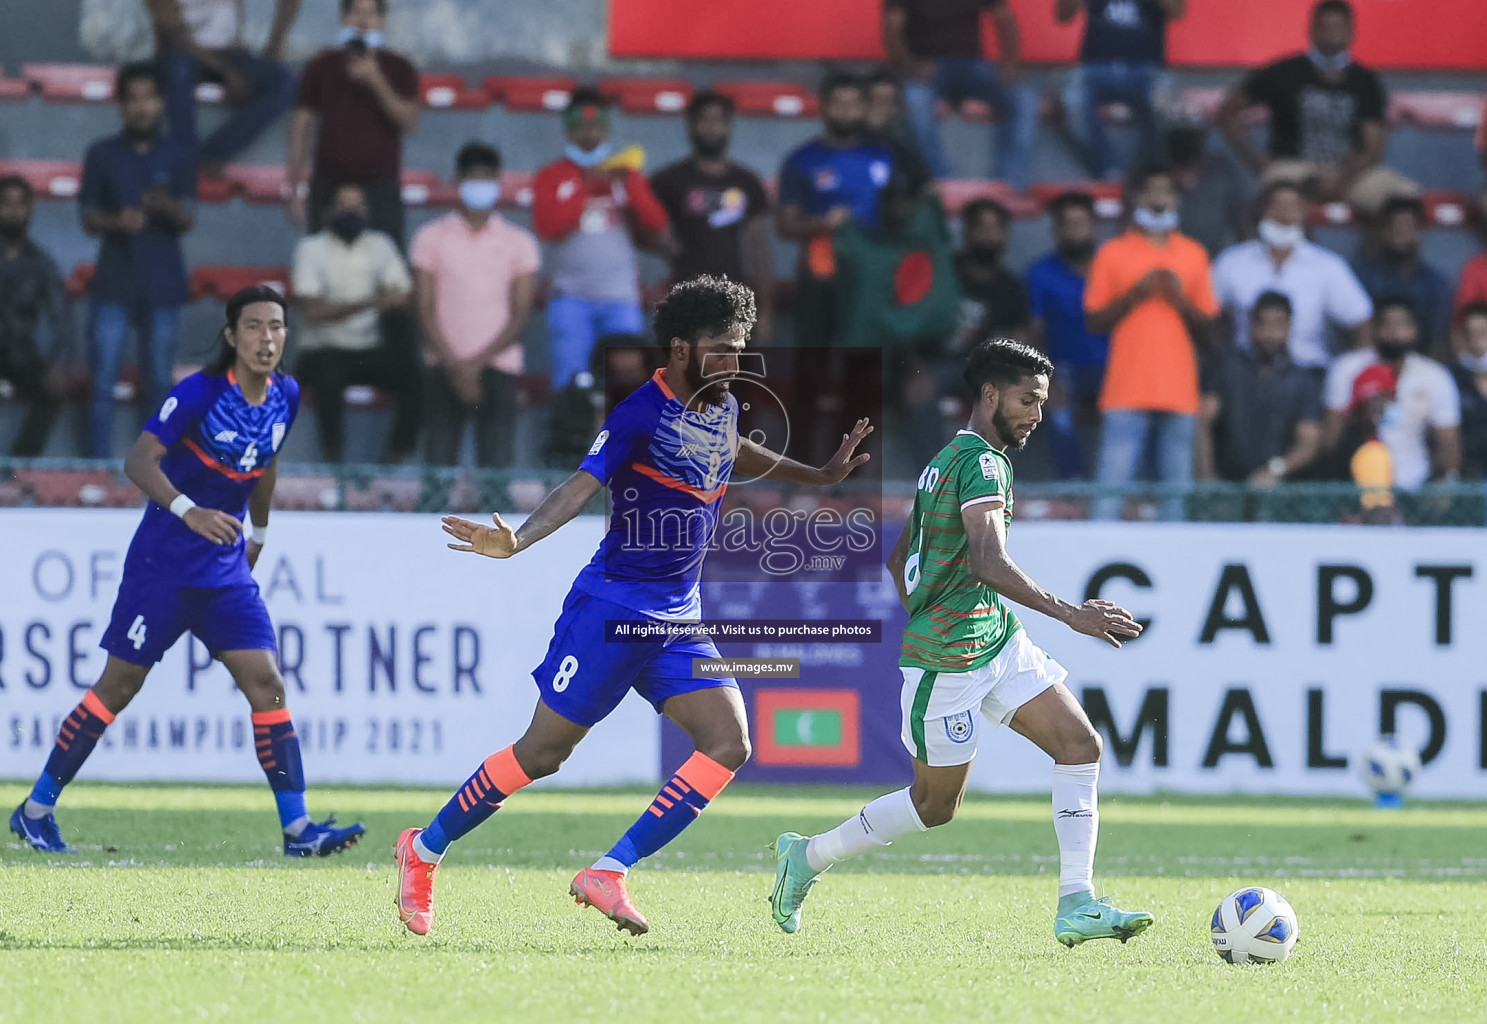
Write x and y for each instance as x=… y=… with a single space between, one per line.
x=666 y=453
x=203 y=460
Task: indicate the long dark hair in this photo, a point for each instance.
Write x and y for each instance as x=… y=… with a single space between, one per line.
x=241 y=299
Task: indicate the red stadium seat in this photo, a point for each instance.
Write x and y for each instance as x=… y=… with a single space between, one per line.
x=648 y=95
x=516 y=189
x=770 y=99
x=214 y=190
x=1447 y=110
x=71 y=83
x=530 y=94
x=221 y=282
x=79 y=279
x=51 y=179
x=955 y=194
x=257 y=183
x=1449 y=210
x=87 y=487
x=14 y=88
x=1107 y=195
x=451 y=92
x=423 y=188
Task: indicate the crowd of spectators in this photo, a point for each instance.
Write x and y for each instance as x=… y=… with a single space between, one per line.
x=1210 y=338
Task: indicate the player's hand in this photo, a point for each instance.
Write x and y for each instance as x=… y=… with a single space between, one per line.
x=254 y=550
x=131 y=220
x=363 y=69
x=213 y=524
x=844 y=461
x=498 y=541
x=1106 y=620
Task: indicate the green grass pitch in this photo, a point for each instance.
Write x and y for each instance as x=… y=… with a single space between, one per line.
x=180 y=907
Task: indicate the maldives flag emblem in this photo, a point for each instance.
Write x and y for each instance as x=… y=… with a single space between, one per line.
x=807 y=728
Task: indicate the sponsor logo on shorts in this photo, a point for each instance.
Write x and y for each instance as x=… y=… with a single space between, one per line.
x=959 y=728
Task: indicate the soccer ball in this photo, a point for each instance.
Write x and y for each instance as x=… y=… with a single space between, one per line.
x=1389 y=768
x=1254 y=925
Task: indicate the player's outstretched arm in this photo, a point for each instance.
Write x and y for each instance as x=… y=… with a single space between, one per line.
x=756 y=461
x=987 y=549
x=501 y=541
x=142 y=466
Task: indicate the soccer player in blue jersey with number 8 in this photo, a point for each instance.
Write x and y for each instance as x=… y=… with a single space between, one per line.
x=207 y=456
x=666 y=453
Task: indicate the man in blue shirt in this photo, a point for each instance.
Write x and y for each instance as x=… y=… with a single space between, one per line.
x=1055 y=286
x=138 y=194
x=1123 y=60
x=824 y=184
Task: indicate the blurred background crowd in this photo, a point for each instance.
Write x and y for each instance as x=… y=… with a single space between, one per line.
x=1235 y=282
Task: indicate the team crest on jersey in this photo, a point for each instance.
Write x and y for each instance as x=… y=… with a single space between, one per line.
x=959 y=728
x=598 y=444
x=278 y=436
x=988 y=465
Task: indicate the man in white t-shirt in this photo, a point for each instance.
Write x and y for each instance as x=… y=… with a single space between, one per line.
x=1422 y=428
x=344 y=276
x=1321 y=286
x=202 y=41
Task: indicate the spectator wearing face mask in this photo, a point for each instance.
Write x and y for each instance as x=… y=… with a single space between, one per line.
x=343 y=277
x=593 y=207
x=1422 y=429
x=1321 y=287
x=1328 y=129
x=474 y=275
x=1149 y=289
x=1055 y=286
x=1469 y=370
x=356 y=103
x=1397 y=268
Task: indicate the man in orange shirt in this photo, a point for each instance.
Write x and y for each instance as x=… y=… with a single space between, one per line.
x=1150 y=290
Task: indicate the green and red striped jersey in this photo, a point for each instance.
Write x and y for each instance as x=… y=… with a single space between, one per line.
x=956 y=622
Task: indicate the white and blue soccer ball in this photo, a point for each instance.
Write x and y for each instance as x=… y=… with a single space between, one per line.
x=1389 y=768
x=1255 y=925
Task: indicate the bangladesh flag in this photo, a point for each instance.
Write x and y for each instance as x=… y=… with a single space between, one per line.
x=807 y=728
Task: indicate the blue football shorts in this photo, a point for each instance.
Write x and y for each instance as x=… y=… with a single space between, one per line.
x=150 y=615
x=585 y=675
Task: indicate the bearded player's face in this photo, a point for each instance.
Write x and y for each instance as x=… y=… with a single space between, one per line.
x=714 y=362
x=1019 y=410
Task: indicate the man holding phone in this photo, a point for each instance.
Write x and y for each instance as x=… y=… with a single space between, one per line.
x=358 y=99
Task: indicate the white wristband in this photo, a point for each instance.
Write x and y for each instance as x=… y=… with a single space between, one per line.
x=181 y=505
x=259 y=535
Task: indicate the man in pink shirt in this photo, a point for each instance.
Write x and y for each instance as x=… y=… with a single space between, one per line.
x=474 y=273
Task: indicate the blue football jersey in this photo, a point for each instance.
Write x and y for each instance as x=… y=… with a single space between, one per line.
x=817 y=177
x=217 y=445
x=667 y=468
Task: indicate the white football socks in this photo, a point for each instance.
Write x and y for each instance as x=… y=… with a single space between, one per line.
x=35 y=810
x=608 y=863
x=296 y=828
x=1076 y=822
x=423 y=853
x=877 y=824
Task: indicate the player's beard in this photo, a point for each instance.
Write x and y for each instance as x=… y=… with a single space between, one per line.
x=1007 y=431
x=703 y=392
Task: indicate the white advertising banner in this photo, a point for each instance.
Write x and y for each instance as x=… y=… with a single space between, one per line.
x=1272 y=657
x=404 y=662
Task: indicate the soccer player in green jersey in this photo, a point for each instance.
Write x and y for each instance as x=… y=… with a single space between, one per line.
x=965 y=651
